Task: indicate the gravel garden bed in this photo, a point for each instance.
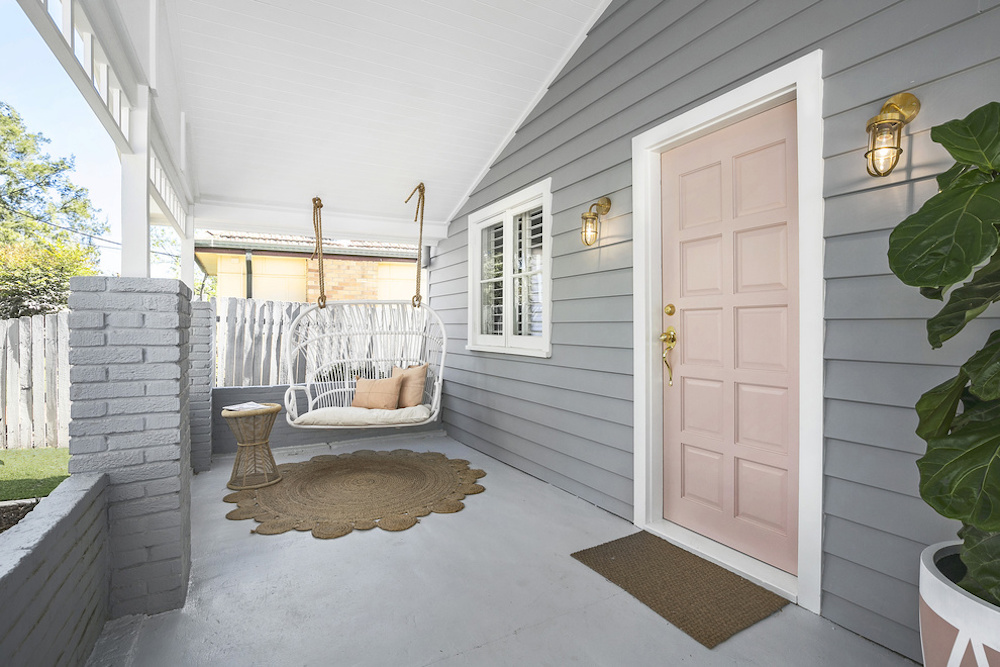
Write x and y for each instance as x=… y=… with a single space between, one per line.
x=12 y=512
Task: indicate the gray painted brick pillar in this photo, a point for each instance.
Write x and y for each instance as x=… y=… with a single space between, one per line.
x=202 y=381
x=129 y=386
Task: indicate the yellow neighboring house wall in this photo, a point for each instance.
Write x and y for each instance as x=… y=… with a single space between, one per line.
x=396 y=281
x=232 y=276
x=280 y=278
x=352 y=278
x=274 y=278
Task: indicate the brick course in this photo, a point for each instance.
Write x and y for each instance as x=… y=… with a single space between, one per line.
x=202 y=374
x=54 y=576
x=131 y=388
x=344 y=279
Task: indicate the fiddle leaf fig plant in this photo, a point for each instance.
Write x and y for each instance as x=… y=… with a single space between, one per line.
x=953 y=239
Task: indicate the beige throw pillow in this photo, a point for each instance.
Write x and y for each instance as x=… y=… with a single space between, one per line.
x=412 y=391
x=377 y=394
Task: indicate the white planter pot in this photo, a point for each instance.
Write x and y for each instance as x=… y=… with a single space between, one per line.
x=957 y=629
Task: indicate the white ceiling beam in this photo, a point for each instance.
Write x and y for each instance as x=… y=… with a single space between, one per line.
x=106 y=21
x=225 y=216
x=61 y=49
x=187 y=252
x=136 y=192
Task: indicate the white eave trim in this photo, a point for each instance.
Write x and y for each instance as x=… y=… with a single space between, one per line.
x=556 y=71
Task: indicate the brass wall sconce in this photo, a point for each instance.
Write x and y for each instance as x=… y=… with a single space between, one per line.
x=591 y=220
x=884 y=133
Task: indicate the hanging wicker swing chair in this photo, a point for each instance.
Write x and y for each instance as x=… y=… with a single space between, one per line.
x=362 y=364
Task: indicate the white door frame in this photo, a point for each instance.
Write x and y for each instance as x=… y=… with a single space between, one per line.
x=801 y=80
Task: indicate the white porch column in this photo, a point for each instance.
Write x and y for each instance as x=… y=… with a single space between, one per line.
x=187 y=252
x=135 y=191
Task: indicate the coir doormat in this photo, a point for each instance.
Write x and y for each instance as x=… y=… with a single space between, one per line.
x=708 y=602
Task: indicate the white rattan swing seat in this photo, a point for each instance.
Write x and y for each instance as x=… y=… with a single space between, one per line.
x=327 y=349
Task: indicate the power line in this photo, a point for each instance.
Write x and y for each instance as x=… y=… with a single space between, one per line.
x=102 y=238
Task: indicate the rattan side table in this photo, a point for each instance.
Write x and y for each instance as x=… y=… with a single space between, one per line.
x=254 y=466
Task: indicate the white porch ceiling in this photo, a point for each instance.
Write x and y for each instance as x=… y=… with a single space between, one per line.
x=357 y=102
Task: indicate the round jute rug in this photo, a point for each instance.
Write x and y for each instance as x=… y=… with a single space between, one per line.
x=332 y=495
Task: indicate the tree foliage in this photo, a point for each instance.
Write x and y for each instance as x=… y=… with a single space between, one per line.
x=40 y=209
x=34 y=277
x=38 y=201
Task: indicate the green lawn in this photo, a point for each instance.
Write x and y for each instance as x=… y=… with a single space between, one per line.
x=32 y=473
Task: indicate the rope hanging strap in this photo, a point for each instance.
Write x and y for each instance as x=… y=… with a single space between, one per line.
x=418 y=215
x=318 y=252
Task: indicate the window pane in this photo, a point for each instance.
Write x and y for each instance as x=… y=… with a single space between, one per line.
x=528 y=241
x=492 y=308
x=528 y=305
x=528 y=273
x=493 y=252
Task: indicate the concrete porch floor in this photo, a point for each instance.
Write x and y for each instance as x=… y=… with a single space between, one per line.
x=493 y=584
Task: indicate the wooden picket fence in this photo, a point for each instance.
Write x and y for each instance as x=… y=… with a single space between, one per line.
x=34 y=382
x=249 y=337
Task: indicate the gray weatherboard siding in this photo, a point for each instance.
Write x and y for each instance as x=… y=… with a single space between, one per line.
x=568 y=419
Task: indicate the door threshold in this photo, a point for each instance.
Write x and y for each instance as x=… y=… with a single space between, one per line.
x=766 y=576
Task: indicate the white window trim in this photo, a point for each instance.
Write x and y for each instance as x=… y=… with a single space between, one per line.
x=504 y=210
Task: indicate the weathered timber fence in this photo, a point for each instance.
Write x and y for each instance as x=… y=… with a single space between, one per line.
x=249 y=341
x=34 y=382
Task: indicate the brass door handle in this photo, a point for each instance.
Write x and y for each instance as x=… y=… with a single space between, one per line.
x=669 y=339
x=670 y=371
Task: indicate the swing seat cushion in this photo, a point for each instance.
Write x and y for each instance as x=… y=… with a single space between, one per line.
x=363 y=416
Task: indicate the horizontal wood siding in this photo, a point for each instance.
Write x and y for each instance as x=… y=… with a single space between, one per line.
x=568 y=419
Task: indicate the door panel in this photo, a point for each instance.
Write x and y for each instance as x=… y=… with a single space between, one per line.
x=730 y=235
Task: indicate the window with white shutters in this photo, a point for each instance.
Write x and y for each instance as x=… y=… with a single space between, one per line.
x=509 y=274
x=492 y=283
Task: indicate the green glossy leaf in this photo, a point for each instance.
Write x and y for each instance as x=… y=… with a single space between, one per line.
x=983 y=369
x=976 y=410
x=936 y=408
x=973 y=177
x=960 y=475
x=974 y=139
x=966 y=303
x=964 y=175
x=981 y=557
x=946 y=178
x=951 y=234
x=936 y=293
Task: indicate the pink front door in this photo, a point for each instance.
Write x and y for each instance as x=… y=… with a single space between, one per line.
x=730 y=418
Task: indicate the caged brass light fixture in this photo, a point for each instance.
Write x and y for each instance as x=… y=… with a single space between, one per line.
x=591 y=220
x=884 y=132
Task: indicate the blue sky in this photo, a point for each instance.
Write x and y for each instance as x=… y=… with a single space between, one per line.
x=34 y=83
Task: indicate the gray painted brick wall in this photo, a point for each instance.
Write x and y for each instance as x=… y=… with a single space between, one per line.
x=130 y=387
x=54 y=583
x=202 y=380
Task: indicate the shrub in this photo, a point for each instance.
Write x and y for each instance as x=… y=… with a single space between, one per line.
x=34 y=276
